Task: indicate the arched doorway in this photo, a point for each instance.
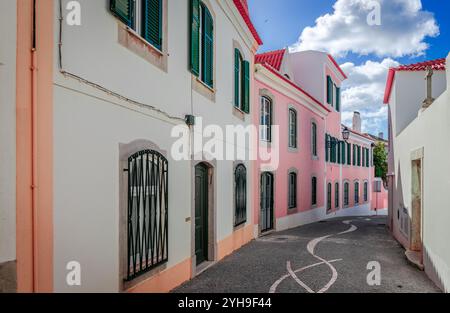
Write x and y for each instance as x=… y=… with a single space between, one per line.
x=267 y=201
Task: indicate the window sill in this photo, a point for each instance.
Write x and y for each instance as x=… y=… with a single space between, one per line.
x=127 y=285
x=293 y=150
x=133 y=33
x=237 y=112
x=203 y=89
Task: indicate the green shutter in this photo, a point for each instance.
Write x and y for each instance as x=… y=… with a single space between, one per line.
x=329 y=90
x=195 y=37
x=367 y=158
x=349 y=154
x=208 y=47
x=327 y=149
x=152 y=22
x=354 y=155
x=123 y=9
x=246 y=88
x=237 y=71
x=338 y=99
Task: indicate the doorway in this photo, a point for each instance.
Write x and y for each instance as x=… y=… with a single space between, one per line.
x=267 y=182
x=201 y=213
x=416 y=205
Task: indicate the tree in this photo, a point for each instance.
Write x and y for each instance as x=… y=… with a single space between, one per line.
x=380 y=161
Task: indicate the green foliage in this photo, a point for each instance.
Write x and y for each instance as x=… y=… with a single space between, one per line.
x=380 y=160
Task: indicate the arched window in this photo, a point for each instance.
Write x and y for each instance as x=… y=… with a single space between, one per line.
x=147 y=216
x=266 y=119
x=356 y=192
x=314 y=139
x=366 y=191
x=240 y=177
x=336 y=195
x=292 y=197
x=329 y=186
x=292 y=128
x=314 y=190
x=346 y=194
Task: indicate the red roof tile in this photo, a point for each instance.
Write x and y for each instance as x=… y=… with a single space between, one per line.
x=273 y=58
x=242 y=7
x=436 y=65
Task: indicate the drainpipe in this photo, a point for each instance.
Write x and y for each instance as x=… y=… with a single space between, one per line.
x=34 y=173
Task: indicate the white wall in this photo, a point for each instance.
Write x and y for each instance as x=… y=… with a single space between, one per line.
x=90 y=125
x=8 y=16
x=410 y=91
x=430 y=132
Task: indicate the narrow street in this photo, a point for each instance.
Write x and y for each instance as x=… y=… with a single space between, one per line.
x=329 y=256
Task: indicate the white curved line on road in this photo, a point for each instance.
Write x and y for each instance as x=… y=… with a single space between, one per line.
x=311 y=250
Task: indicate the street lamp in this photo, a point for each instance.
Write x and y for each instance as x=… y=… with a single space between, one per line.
x=346 y=134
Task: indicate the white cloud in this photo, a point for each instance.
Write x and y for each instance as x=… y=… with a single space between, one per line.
x=363 y=92
x=402 y=32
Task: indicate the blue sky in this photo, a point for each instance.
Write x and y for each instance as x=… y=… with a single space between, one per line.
x=411 y=31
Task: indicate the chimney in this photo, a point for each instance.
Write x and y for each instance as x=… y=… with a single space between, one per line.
x=381 y=135
x=429 y=78
x=357 y=122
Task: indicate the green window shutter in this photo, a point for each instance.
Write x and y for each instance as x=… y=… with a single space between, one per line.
x=367 y=158
x=208 y=47
x=326 y=148
x=123 y=9
x=237 y=71
x=338 y=99
x=359 y=156
x=195 y=37
x=246 y=82
x=152 y=22
x=349 y=154
x=343 y=152
x=329 y=90
x=354 y=155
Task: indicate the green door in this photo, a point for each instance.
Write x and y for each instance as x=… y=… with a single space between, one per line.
x=201 y=213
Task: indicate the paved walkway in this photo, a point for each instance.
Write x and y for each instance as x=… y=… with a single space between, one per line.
x=328 y=256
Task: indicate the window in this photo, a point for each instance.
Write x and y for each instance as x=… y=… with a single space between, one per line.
x=346 y=194
x=366 y=195
x=202 y=43
x=240 y=193
x=329 y=90
x=292 y=128
x=314 y=191
x=349 y=154
x=354 y=155
x=147 y=216
x=292 y=190
x=314 y=139
x=359 y=156
x=343 y=153
x=266 y=119
x=329 y=197
x=356 y=192
x=338 y=99
x=241 y=82
x=363 y=157
x=336 y=195
x=367 y=157
x=143 y=16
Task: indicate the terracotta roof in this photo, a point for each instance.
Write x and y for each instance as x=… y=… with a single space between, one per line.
x=242 y=7
x=436 y=65
x=273 y=58
x=284 y=78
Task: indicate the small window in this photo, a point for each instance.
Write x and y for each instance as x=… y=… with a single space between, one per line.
x=314 y=139
x=356 y=193
x=336 y=195
x=329 y=186
x=314 y=191
x=292 y=128
x=240 y=177
x=266 y=119
x=366 y=191
x=349 y=153
x=292 y=190
x=143 y=16
x=346 y=194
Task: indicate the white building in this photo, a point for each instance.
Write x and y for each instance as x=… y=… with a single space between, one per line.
x=419 y=212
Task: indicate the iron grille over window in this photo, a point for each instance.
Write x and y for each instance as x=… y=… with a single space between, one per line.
x=366 y=187
x=314 y=191
x=329 y=197
x=336 y=195
x=241 y=195
x=346 y=194
x=147 y=222
x=356 y=193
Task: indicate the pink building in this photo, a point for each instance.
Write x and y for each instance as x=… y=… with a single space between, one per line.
x=319 y=174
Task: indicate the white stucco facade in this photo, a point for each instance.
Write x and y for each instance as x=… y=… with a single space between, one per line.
x=91 y=126
x=8 y=17
x=422 y=137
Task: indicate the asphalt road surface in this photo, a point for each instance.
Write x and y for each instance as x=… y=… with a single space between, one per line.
x=344 y=255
